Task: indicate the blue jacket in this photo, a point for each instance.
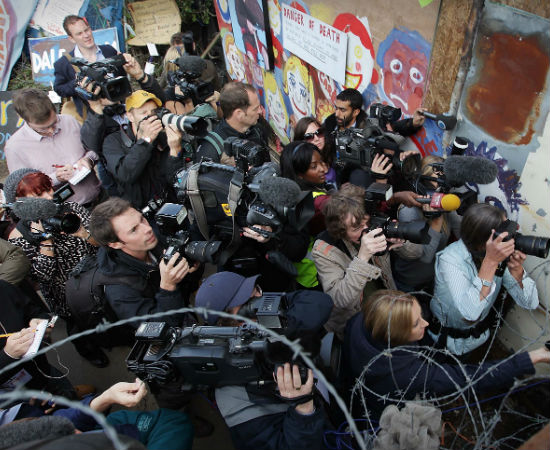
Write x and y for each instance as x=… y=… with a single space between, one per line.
x=406 y=369
x=65 y=76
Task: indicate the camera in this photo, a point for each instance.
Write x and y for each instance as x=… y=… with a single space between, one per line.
x=187 y=124
x=186 y=77
x=415 y=232
x=62 y=221
x=530 y=245
x=212 y=356
x=170 y=218
x=245 y=152
x=384 y=114
x=103 y=73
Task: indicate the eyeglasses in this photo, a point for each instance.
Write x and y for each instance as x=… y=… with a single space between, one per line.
x=48 y=129
x=311 y=136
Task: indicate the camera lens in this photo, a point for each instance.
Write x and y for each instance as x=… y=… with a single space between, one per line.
x=532 y=245
x=415 y=232
x=203 y=251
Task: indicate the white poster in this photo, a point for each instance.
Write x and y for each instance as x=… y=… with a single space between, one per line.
x=315 y=42
x=49 y=14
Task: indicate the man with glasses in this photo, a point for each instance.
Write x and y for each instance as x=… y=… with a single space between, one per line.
x=50 y=143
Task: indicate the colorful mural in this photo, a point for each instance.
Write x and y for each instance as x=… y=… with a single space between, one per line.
x=302 y=90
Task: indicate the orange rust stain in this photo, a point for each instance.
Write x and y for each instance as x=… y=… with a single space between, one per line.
x=505 y=102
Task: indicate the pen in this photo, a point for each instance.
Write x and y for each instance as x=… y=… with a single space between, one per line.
x=11 y=334
x=57 y=166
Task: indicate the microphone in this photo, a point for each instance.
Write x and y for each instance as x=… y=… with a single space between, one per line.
x=443 y=121
x=279 y=192
x=191 y=64
x=459 y=170
x=445 y=202
x=34 y=208
x=460 y=145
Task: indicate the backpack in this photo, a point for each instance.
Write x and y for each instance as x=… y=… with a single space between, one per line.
x=85 y=295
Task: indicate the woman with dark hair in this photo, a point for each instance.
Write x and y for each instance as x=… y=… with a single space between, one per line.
x=309 y=129
x=302 y=162
x=467 y=280
x=381 y=346
x=52 y=259
x=413 y=264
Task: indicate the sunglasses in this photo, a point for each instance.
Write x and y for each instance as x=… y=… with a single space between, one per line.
x=310 y=136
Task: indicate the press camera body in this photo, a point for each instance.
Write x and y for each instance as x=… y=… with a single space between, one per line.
x=102 y=73
x=530 y=245
x=212 y=356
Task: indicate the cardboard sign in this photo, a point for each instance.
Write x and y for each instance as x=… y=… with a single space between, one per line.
x=46 y=51
x=155 y=22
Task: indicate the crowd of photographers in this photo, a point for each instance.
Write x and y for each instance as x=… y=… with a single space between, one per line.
x=348 y=245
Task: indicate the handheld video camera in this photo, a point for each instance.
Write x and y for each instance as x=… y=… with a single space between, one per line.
x=62 y=221
x=384 y=114
x=186 y=77
x=102 y=73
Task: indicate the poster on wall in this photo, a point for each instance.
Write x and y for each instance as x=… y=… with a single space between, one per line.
x=250 y=21
x=9 y=121
x=46 y=51
x=49 y=14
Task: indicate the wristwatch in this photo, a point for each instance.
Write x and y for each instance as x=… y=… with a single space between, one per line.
x=147 y=139
x=486 y=282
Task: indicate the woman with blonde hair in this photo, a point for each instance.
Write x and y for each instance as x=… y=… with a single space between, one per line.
x=381 y=347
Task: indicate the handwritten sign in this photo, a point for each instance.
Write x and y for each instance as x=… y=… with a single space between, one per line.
x=46 y=51
x=49 y=14
x=9 y=120
x=155 y=22
x=315 y=42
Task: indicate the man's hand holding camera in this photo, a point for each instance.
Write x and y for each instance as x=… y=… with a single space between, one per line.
x=174 y=137
x=380 y=167
x=173 y=271
x=149 y=128
x=132 y=67
x=290 y=386
x=250 y=233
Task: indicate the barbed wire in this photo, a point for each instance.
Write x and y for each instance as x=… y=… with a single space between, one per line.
x=473 y=420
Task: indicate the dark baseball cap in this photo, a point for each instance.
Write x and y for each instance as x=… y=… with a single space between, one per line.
x=224 y=290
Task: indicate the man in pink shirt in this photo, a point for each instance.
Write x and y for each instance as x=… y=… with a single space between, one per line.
x=50 y=142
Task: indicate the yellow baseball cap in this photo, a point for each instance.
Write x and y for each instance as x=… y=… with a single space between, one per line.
x=139 y=97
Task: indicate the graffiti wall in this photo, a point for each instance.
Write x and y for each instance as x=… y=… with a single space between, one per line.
x=387 y=59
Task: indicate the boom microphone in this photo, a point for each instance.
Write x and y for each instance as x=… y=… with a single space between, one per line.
x=469 y=169
x=443 y=121
x=444 y=202
x=279 y=191
x=34 y=209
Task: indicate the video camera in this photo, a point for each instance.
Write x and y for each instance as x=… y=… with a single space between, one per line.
x=211 y=356
x=62 y=221
x=102 y=73
x=190 y=69
x=246 y=153
x=384 y=114
x=187 y=124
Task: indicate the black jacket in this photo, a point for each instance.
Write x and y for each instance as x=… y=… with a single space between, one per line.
x=97 y=126
x=207 y=150
x=146 y=297
x=141 y=170
x=407 y=370
x=404 y=127
x=65 y=76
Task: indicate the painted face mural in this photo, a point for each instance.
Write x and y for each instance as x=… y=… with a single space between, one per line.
x=274 y=9
x=234 y=58
x=403 y=57
x=299 y=87
x=360 y=57
x=277 y=115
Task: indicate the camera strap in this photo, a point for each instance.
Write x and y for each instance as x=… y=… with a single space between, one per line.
x=196 y=200
x=296 y=400
x=233 y=197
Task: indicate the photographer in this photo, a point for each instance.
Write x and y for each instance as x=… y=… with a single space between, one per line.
x=467 y=282
x=143 y=156
x=257 y=418
x=385 y=337
x=346 y=255
x=52 y=259
x=241 y=109
x=79 y=33
x=105 y=116
x=130 y=253
x=413 y=264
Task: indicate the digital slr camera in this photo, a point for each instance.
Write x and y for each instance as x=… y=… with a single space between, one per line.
x=103 y=74
x=530 y=245
x=187 y=124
